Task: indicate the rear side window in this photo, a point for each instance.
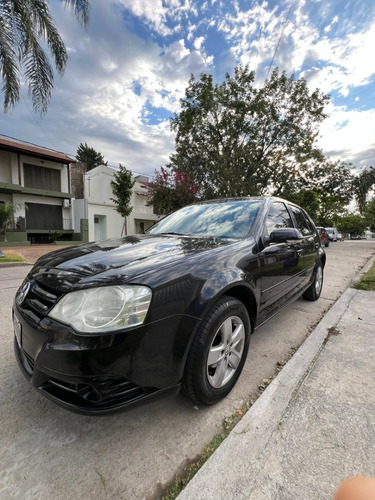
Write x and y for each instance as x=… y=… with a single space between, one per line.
x=278 y=216
x=303 y=224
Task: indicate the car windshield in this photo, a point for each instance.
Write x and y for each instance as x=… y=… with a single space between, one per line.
x=230 y=219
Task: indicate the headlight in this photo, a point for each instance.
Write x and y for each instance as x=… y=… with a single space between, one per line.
x=104 y=309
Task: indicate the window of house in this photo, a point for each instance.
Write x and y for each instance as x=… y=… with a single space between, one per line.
x=41 y=177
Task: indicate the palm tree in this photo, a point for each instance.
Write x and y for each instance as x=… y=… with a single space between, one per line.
x=24 y=24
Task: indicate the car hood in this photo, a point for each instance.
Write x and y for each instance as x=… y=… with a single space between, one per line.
x=117 y=260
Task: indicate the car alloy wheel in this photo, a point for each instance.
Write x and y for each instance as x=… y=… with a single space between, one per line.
x=218 y=352
x=225 y=352
x=318 y=280
x=315 y=289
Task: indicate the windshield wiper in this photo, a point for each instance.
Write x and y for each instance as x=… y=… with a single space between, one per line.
x=173 y=233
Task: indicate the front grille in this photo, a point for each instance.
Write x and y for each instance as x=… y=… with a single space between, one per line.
x=98 y=392
x=38 y=301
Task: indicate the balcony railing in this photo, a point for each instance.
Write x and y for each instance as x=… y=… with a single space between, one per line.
x=21 y=224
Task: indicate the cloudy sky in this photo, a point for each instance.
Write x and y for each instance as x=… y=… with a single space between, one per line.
x=129 y=68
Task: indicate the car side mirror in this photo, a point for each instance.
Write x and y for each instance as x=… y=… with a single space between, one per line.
x=284 y=234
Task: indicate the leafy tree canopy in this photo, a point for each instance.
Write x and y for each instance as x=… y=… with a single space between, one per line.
x=7 y=215
x=25 y=26
x=237 y=139
x=370 y=214
x=362 y=185
x=352 y=224
x=170 y=190
x=89 y=156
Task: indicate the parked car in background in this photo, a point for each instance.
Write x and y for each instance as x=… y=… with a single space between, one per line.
x=356 y=237
x=324 y=238
x=340 y=237
x=332 y=233
x=104 y=325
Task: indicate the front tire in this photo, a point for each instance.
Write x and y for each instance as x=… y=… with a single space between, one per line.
x=315 y=289
x=218 y=352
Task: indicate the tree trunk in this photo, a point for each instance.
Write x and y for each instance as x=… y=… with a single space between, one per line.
x=124 y=230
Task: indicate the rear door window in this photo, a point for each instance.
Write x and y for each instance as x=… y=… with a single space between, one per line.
x=302 y=223
x=278 y=216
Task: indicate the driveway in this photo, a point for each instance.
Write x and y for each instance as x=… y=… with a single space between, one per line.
x=46 y=452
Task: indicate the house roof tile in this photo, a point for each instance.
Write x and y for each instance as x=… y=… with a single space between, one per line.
x=15 y=145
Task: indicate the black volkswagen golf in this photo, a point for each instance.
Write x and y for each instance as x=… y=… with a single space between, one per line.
x=104 y=325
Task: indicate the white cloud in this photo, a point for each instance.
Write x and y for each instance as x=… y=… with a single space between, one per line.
x=198 y=42
x=328 y=28
x=349 y=135
x=350 y=61
x=113 y=77
x=158 y=13
x=152 y=11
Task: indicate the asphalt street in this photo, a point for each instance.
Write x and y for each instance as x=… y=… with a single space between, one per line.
x=47 y=452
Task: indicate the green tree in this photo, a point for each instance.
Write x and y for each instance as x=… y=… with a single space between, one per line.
x=89 y=156
x=331 y=208
x=7 y=215
x=307 y=199
x=370 y=214
x=324 y=190
x=362 y=186
x=237 y=139
x=170 y=190
x=122 y=186
x=352 y=224
x=25 y=25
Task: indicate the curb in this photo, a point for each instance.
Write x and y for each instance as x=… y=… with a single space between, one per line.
x=256 y=428
x=15 y=264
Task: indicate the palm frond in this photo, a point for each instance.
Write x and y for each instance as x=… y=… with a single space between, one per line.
x=39 y=75
x=44 y=25
x=24 y=24
x=9 y=69
x=81 y=9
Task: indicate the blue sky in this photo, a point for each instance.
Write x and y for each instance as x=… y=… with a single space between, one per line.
x=129 y=68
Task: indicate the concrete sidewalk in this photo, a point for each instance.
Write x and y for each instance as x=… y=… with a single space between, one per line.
x=315 y=423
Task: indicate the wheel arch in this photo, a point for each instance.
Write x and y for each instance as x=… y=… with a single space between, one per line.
x=323 y=259
x=245 y=295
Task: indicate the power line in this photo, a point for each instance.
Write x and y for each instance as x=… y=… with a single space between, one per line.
x=36 y=121
x=281 y=34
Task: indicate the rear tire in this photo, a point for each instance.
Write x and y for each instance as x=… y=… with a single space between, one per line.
x=218 y=352
x=315 y=289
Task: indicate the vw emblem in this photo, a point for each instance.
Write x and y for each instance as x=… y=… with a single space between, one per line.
x=23 y=291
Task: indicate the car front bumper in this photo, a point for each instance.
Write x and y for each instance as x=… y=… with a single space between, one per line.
x=96 y=375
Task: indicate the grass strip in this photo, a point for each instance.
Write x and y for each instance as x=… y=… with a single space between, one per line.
x=11 y=256
x=367 y=281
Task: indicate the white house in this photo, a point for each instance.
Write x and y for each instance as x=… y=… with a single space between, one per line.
x=37 y=179
x=97 y=207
